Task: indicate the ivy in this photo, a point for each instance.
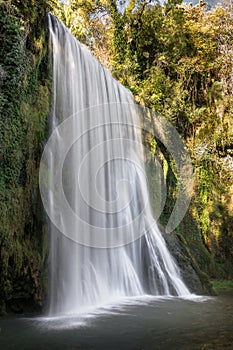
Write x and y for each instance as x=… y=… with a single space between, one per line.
x=24 y=106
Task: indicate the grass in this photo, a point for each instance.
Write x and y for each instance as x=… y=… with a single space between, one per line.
x=223 y=286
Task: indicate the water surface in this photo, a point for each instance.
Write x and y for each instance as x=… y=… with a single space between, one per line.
x=144 y=323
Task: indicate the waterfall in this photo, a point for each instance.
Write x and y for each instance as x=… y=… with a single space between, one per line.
x=105 y=243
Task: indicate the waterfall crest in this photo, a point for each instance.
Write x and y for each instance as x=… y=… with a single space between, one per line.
x=105 y=243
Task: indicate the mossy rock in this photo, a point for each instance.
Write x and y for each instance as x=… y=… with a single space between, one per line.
x=197 y=281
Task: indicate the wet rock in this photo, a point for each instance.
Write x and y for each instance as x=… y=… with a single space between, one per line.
x=197 y=281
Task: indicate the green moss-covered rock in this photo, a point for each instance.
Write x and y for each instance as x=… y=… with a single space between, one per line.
x=24 y=108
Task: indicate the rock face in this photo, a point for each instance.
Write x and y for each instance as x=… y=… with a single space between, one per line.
x=24 y=107
x=197 y=281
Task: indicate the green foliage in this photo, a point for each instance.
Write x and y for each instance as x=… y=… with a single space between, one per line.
x=24 y=98
x=89 y=21
x=178 y=61
x=223 y=286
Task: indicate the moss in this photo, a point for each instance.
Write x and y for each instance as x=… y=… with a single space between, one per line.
x=25 y=99
x=223 y=286
x=198 y=267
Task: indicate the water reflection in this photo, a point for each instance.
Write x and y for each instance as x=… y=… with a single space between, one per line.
x=134 y=324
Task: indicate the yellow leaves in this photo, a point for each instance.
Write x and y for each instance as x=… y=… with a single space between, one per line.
x=146 y=54
x=78 y=23
x=200 y=21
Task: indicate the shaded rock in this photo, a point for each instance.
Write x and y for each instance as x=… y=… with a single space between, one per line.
x=197 y=281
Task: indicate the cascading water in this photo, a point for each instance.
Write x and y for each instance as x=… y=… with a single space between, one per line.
x=105 y=243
